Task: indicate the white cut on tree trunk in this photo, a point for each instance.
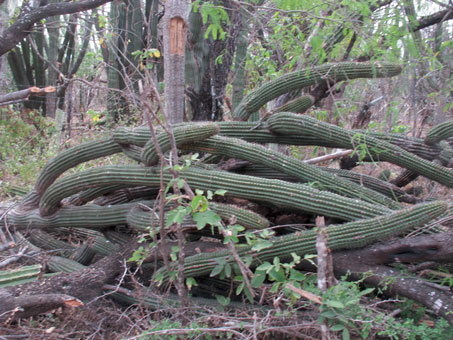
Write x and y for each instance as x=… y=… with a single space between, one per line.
x=175 y=28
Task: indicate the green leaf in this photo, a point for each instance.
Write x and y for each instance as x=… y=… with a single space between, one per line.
x=277 y=275
x=329 y=314
x=334 y=304
x=262 y=244
x=337 y=327
x=223 y=300
x=227 y=270
x=345 y=334
x=180 y=183
x=258 y=279
x=220 y=192
x=296 y=275
x=217 y=270
x=190 y=282
x=177 y=215
x=264 y=267
x=206 y=217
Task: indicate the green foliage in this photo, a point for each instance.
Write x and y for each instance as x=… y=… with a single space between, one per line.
x=26 y=143
x=215 y=15
x=342 y=309
x=164 y=328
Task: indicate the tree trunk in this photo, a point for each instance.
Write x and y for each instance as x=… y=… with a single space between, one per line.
x=208 y=64
x=174 y=31
x=53 y=30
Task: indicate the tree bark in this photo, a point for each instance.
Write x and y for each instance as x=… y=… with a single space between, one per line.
x=174 y=31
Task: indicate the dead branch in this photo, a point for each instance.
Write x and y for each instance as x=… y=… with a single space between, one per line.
x=85 y=285
x=21 y=95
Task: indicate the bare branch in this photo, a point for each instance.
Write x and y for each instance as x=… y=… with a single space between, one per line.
x=24 y=94
x=24 y=23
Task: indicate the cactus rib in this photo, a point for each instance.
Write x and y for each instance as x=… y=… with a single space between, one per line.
x=71 y=157
x=280 y=193
x=233 y=147
x=379 y=149
x=385 y=188
x=439 y=132
x=87 y=216
x=311 y=76
x=258 y=133
x=182 y=134
x=298 y=105
x=345 y=236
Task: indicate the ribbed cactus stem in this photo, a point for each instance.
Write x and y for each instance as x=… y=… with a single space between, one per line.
x=259 y=133
x=439 y=132
x=13 y=277
x=237 y=148
x=61 y=264
x=377 y=185
x=72 y=157
x=311 y=76
x=244 y=217
x=344 y=236
x=279 y=193
x=284 y=123
x=182 y=134
x=298 y=105
x=46 y=241
x=146 y=219
x=88 y=216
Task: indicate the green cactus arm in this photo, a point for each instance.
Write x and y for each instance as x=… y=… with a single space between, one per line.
x=377 y=185
x=132 y=151
x=259 y=133
x=233 y=147
x=311 y=76
x=43 y=240
x=279 y=193
x=344 y=236
x=182 y=134
x=244 y=217
x=439 y=132
x=298 y=105
x=104 y=247
x=62 y=264
x=142 y=220
x=90 y=194
x=13 y=277
x=72 y=157
x=285 y=123
x=87 y=216
x=249 y=131
x=155 y=301
x=410 y=144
